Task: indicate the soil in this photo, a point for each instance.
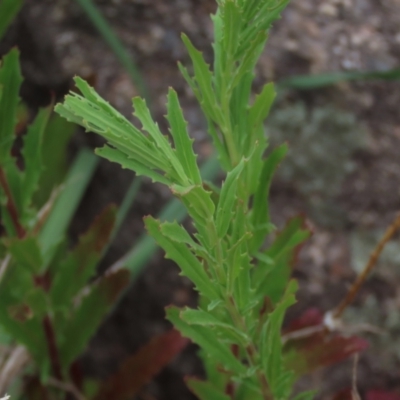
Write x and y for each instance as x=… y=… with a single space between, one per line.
x=58 y=41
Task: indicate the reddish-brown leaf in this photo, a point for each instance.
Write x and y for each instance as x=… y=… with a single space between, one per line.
x=318 y=348
x=381 y=395
x=97 y=236
x=140 y=368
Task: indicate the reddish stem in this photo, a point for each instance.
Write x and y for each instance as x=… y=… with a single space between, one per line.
x=11 y=206
x=52 y=347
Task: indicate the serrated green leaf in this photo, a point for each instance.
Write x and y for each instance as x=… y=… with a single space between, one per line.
x=32 y=153
x=232 y=28
x=197 y=199
x=189 y=264
x=271 y=342
x=177 y=233
x=203 y=78
x=10 y=79
x=291 y=236
x=207 y=342
x=118 y=157
x=57 y=134
x=79 y=266
x=143 y=114
x=183 y=144
x=86 y=318
x=201 y=208
x=205 y=390
x=227 y=200
x=97 y=115
x=249 y=60
x=26 y=252
x=242 y=285
x=203 y=318
x=260 y=215
x=282 y=253
x=261 y=106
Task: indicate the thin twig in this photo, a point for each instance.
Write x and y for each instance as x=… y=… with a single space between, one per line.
x=11 y=206
x=391 y=230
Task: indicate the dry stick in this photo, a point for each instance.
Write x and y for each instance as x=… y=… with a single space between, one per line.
x=391 y=230
x=11 y=206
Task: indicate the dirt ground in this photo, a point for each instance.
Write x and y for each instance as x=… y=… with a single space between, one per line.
x=57 y=41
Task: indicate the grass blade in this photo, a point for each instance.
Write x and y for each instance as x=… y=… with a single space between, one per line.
x=115 y=44
x=65 y=206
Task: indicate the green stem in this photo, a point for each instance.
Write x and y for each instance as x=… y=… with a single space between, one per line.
x=251 y=349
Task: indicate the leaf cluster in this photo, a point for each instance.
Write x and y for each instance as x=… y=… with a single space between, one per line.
x=46 y=303
x=244 y=287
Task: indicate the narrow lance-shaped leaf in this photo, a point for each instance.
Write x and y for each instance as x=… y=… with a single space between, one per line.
x=275 y=264
x=228 y=199
x=189 y=264
x=214 y=347
x=87 y=316
x=261 y=106
x=203 y=78
x=232 y=27
x=74 y=272
x=32 y=153
x=174 y=169
x=201 y=208
x=26 y=252
x=122 y=159
x=183 y=144
x=10 y=80
x=249 y=60
x=177 y=233
x=260 y=213
x=271 y=345
x=203 y=318
x=95 y=114
x=292 y=235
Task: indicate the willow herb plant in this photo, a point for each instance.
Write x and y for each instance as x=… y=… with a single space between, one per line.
x=244 y=287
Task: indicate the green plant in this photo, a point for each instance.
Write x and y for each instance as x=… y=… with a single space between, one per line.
x=245 y=287
x=50 y=305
